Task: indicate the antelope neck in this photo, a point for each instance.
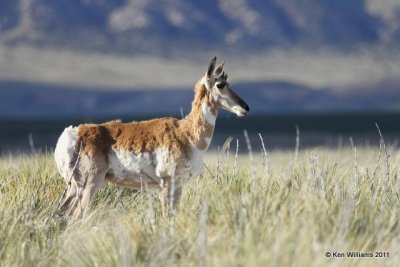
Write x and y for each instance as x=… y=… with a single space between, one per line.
x=202 y=117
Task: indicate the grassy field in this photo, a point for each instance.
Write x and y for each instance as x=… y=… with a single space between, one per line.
x=280 y=210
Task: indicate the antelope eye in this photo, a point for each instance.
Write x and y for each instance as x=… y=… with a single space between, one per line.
x=220 y=85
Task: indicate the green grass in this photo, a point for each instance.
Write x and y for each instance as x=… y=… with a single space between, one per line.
x=291 y=214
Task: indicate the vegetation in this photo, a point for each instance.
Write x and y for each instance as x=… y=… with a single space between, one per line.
x=280 y=208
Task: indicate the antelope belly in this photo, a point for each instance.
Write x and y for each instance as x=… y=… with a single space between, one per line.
x=136 y=167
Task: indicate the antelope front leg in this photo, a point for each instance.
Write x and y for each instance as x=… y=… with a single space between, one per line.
x=170 y=196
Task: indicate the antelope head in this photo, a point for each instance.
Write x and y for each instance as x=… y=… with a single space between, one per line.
x=216 y=83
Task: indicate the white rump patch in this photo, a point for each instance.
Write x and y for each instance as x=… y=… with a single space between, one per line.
x=65 y=150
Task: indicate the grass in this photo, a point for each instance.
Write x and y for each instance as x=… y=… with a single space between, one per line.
x=289 y=214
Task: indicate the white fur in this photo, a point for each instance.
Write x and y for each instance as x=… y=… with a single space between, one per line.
x=208 y=141
x=127 y=165
x=205 y=82
x=192 y=168
x=165 y=166
x=197 y=161
x=65 y=150
x=208 y=115
x=151 y=167
x=239 y=111
x=142 y=167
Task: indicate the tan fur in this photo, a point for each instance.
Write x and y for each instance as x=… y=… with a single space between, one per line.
x=175 y=142
x=97 y=140
x=200 y=129
x=145 y=136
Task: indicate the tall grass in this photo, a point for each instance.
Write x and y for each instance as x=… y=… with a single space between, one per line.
x=288 y=214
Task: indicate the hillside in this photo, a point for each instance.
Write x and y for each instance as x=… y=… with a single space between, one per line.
x=283 y=56
x=162 y=27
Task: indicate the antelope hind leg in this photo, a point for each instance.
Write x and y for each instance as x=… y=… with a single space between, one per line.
x=68 y=200
x=85 y=194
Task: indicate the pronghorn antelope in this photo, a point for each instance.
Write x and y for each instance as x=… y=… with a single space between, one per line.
x=161 y=153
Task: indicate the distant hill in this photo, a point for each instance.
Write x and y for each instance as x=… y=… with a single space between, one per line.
x=160 y=26
x=45 y=101
x=171 y=27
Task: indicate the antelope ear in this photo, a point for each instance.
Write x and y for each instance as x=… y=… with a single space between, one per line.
x=218 y=70
x=211 y=67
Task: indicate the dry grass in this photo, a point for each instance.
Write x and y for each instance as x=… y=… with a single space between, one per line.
x=291 y=214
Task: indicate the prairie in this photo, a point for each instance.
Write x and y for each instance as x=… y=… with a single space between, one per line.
x=282 y=208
